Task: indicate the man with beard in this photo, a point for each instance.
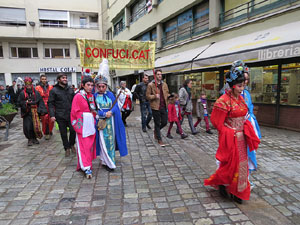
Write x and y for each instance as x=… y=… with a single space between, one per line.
x=44 y=89
x=32 y=106
x=59 y=105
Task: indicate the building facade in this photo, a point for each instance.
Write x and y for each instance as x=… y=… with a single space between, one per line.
x=199 y=39
x=39 y=37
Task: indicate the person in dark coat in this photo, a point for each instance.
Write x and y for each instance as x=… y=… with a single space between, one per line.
x=59 y=105
x=32 y=106
x=14 y=92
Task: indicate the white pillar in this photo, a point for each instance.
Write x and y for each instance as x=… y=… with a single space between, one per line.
x=214 y=12
x=159 y=32
x=8 y=79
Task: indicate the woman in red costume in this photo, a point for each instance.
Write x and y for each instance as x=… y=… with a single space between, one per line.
x=235 y=133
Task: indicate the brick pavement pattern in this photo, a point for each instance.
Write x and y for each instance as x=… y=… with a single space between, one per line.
x=152 y=185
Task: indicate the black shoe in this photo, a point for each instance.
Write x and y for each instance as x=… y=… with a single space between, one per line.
x=29 y=142
x=35 y=141
x=144 y=130
x=148 y=126
x=222 y=191
x=107 y=168
x=209 y=132
x=177 y=132
x=183 y=136
x=237 y=199
x=196 y=132
x=169 y=136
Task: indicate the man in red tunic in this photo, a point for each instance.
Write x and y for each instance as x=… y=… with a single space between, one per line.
x=44 y=89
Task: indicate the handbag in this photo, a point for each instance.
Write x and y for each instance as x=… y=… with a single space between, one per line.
x=101 y=125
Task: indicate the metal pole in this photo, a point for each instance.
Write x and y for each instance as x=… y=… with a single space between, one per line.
x=277 y=112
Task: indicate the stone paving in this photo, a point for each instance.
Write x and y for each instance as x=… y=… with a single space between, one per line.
x=152 y=185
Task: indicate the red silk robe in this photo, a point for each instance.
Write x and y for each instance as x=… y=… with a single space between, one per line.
x=235 y=133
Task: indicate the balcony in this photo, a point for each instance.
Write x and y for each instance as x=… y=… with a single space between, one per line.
x=250 y=9
x=189 y=32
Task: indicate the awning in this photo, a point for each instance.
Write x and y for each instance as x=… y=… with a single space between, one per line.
x=274 y=43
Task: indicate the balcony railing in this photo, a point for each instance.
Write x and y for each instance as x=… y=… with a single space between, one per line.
x=250 y=9
x=119 y=29
x=65 y=25
x=191 y=31
x=141 y=12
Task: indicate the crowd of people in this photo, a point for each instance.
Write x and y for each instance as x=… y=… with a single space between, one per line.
x=95 y=119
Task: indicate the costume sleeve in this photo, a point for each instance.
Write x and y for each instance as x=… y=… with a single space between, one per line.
x=51 y=103
x=115 y=109
x=149 y=95
x=76 y=115
x=22 y=103
x=251 y=138
x=217 y=118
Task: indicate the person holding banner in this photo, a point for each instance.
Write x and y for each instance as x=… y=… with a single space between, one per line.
x=32 y=105
x=111 y=131
x=157 y=93
x=83 y=121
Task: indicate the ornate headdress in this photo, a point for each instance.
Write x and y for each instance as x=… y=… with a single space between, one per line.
x=101 y=80
x=237 y=70
x=28 y=80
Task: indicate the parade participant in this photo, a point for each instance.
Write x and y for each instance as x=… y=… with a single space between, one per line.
x=83 y=121
x=14 y=92
x=44 y=89
x=174 y=116
x=111 y=131
x=124 y=101
x=252 y=163
x=235 y=133
x=202 y=112
x=146 y=112
x=157 y=93
x=32 y=105
x=59 y=104
x=186 y=104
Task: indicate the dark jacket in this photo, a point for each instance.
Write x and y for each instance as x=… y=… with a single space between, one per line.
x=140 y=92
x=60 y=102
x=33 y=98
x=13 y=96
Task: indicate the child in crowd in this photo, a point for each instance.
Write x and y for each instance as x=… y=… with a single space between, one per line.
x=174 y=115
x=202 y=112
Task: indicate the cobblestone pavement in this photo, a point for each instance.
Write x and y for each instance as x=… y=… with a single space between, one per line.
x=152 y=185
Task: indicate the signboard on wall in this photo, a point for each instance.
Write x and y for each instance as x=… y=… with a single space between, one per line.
x=57 y=70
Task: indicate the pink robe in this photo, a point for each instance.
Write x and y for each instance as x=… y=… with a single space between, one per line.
x=86 y=146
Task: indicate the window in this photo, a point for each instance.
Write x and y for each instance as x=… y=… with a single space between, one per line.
x=53 y=18
x=170 y=31
x=23 y=52
x=12 y=17
x=1 y=51
x=185 y=22
x=109 y=34
x=263 y=84
x=82 y=22
x=138 y=10
x=290 y=84
x=119 y=26
x=201 y=16
x=57 y=52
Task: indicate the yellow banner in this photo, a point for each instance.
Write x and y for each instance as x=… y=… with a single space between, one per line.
x=120 y=54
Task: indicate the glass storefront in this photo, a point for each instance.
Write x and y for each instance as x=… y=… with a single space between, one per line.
x=263 y=84
x=290 y=84
x=202 y=81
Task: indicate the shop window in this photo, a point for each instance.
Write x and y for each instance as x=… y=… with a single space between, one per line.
x=23 y=52
x=290 y=84
x=1 y=52
x=57 y=52
x=263 y=84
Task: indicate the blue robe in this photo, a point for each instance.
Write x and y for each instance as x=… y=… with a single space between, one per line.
x=119 y=129
x=246 y=95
